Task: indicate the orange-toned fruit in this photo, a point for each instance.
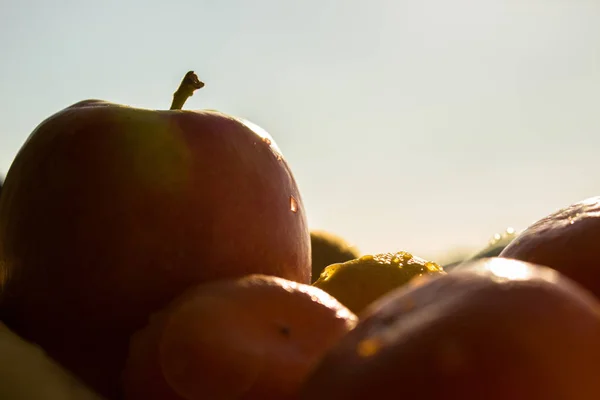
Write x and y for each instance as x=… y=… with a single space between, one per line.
x=252 y=338
x=108 y=212
x=568 y=240
x=500 y=329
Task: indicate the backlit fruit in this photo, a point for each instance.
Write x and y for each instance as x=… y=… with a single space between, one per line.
x=357 y=283
x=500 y=329
x=567 y=240
x=328 y=249
x=109 y=212
x=497 y=243
x=495 y=246
x=256 y=337
x=26 y=372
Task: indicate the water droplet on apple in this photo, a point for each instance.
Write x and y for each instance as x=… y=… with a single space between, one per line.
x=266 y=140
x=368 y=347
x=293 y=204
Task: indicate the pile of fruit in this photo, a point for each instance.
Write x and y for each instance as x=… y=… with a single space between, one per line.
x=166 y=255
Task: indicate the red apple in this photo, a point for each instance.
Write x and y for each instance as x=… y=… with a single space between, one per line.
x=252 y=338
x=110 y=211
x=565 y=240
x=497 y=329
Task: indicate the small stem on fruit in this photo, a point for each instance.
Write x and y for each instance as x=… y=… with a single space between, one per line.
x=186 y=89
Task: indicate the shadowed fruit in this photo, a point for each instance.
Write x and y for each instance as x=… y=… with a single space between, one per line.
x=27 y=373
x=252 y=338
x=358 y=283
x=109 y=212
x=500 y=329
x=328 y=249
x=567 y=241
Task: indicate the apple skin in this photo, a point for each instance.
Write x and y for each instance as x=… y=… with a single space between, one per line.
x=110 y=211
x=565 y=240
x=496 y=329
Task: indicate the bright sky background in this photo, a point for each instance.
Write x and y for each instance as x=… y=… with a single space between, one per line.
x=417 y=125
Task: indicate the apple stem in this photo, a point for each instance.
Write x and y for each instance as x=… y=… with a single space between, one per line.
x=186 y=89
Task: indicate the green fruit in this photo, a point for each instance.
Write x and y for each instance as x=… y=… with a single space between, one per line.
x=327 y=249
x=26 y=372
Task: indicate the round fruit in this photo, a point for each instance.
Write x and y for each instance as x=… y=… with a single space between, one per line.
x=495 y=246
x=498 y=243
x=358 y=283
x=252 y=338
x=567 y=241
x=109 y=212
x=500 y=329
x=328 y=249
x=26 y=372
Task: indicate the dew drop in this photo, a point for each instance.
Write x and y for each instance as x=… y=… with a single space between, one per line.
x=368 y=347
x=293 y=204
x=266 y=140
x=432 y=267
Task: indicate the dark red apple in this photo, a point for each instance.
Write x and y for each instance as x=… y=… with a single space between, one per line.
x=497 y=329
x=110 y=211
x=565 y=240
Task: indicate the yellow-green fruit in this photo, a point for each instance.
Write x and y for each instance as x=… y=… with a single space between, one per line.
x=328 y=249
x=26 y=372
x=357 y=283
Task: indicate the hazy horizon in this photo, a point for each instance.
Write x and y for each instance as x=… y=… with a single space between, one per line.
x=410 y=125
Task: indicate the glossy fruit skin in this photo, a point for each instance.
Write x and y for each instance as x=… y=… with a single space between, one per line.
x=109 y=212
x=360 y=282
x=253 y=338
x=567 y=240
x=499 y=329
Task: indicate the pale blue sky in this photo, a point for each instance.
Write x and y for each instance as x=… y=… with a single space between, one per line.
x=414 y=125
